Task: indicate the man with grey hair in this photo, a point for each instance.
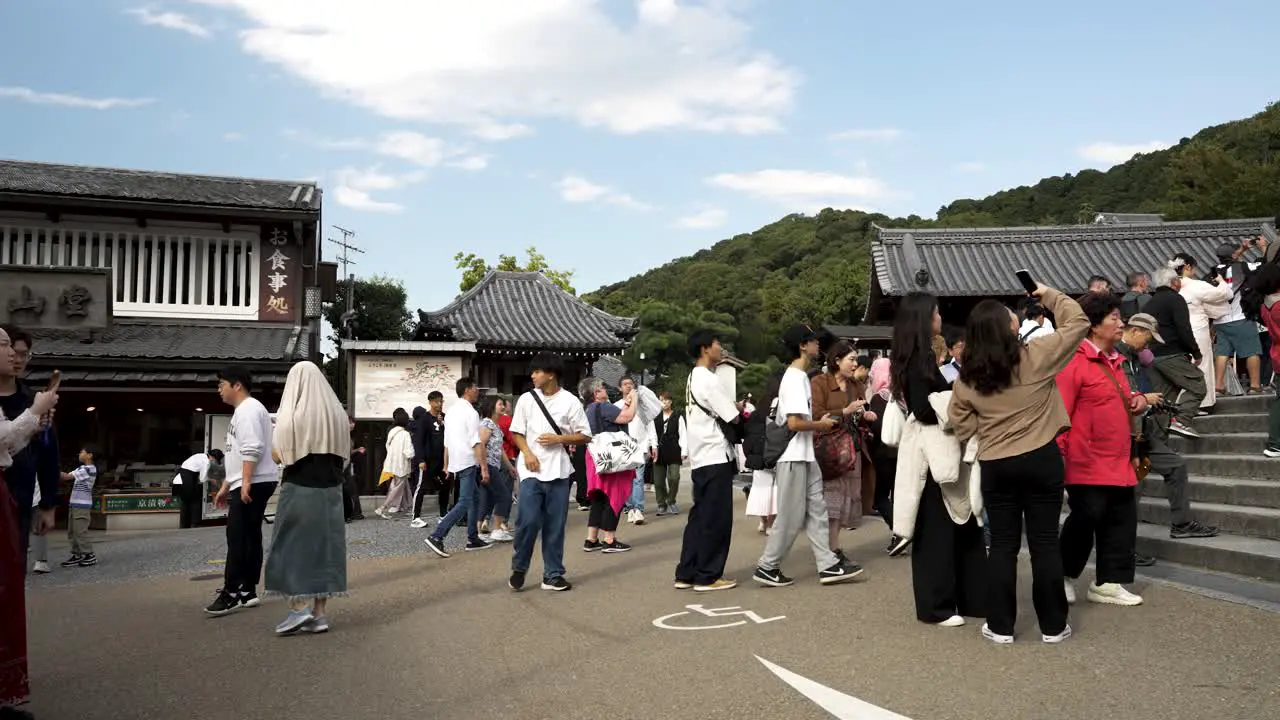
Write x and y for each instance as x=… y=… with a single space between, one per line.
x=642 y=432
x=1175 y=373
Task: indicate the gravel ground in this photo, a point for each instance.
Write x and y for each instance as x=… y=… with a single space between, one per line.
x=126 y=557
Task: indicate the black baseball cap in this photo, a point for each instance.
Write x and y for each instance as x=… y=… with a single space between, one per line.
x=798 y=335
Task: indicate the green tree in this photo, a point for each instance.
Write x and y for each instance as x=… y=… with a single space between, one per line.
x=381 y=313
x=474 y=267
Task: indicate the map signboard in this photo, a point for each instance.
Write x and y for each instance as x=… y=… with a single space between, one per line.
x=386 y=382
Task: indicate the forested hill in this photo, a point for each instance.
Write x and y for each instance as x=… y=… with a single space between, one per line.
x=815 y=268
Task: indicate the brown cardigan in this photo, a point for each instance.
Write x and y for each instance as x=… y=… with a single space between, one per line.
x=1028 y=414
x=827 y=396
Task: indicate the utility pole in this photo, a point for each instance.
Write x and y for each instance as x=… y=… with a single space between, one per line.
x=346 y=243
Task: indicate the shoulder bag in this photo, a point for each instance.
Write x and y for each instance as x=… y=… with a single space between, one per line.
x=1139 y=447
x=615 y=451
x=732 y=431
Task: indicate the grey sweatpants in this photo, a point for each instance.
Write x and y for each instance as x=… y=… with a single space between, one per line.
x=1173 y=373
x=801 y=506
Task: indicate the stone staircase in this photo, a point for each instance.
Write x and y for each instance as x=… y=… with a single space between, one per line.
x=1232 y=486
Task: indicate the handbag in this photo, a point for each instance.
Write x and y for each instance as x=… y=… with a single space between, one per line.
x=895 y=419
x=836 y=453
x=1139 y=448
x=615 y=451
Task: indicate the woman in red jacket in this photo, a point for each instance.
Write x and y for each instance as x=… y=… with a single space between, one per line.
x=1097 y=451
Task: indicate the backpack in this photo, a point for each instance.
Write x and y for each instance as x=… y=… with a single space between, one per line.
x=1130 y=305
x=753 y=441
x=1250 y=298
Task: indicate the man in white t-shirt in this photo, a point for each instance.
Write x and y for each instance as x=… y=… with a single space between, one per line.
x=545 y=421
x=709 y=413
x=250 y=482
x=464 y=460
x=1237 y=335
x=188 y=486
x=643 y=433
x=801 y=504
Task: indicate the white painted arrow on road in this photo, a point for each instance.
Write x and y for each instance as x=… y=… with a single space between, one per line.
x=841 y=706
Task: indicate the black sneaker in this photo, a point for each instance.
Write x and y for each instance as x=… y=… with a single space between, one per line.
x=1143 y=560
x=841 y=556
x=224 y=604
x=556 y=584
x=72 y=561
x=616 y=546
x=898 y=545
x=437 y=546
x=839 y=573
x=478 y=544
x=89 y=560
x=772 y=578
x=1192 y=529
x=517 y=581
x=591 y=545
x=249 y=598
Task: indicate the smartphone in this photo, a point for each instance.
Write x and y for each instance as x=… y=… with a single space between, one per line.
x=1028 y=284
x=55 y=380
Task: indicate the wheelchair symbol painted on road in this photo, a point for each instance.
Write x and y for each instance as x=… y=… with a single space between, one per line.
x=725 y=612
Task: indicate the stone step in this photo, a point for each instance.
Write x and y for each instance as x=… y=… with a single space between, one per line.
x=1221 y=490
x=1245 y=403
x=1253 y=466
x=1221 y=423
x=1241 y=443
x=1249 y=557
x=1259 y=522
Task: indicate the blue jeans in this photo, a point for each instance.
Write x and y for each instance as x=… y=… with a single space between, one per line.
x=544 y=507
x=502 y=488
x=467 y=481
x=636 y=501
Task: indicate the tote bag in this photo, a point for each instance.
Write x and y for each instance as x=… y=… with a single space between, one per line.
x=616 y=452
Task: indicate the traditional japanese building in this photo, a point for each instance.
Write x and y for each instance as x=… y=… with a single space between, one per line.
x=139 y=286
x=963 y=266
x=490 y=333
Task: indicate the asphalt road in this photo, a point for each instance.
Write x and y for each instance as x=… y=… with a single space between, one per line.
x=421 y=637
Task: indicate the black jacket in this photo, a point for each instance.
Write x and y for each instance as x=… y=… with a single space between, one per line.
x=37 y=462
x=1174 y=320
x=427 y=433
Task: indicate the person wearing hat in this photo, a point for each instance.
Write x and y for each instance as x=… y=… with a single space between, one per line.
x=1140 y=331
x=797 y=477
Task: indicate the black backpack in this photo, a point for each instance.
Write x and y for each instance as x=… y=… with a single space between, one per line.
x=753 y=440
x=1250 y=298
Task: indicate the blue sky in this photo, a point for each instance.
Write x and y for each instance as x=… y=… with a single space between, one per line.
x=616 y=135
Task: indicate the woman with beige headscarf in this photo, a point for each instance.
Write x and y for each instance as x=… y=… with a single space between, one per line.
x=308 y=561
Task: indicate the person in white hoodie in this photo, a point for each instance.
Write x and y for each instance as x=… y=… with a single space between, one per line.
x=251 y=481
x=642 y=431
x=1207 y=300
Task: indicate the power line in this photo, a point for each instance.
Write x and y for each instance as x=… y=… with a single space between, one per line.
x=348 y=247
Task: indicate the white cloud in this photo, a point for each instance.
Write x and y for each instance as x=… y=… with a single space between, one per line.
x=413 y=147
x=353 y=188
x=28 y=95
x=878 y=135
x=494 y=65
x=1115 y=153
x=471 y=162
x=807 y=191
x=232 y=136
x=577 y=189
x=170 y=20
x=703 y=219
x=970 y=167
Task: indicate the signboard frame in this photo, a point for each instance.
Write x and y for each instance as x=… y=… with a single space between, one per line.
x=22 y=276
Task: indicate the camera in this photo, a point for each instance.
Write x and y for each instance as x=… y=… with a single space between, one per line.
x=1164 y=407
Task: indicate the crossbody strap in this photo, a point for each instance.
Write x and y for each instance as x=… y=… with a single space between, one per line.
x=545 y=414
x=1124 y=400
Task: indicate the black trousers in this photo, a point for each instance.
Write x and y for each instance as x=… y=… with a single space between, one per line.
x=948 y=562
x=602 y=515
x=190 y=496
x=1027 y=486
x=709 y=530
x=886 y=469
x=449 y=493
x=244 y=537
x=579 y=477
x=1109 y=514
x=432 y=480
x=351 y=509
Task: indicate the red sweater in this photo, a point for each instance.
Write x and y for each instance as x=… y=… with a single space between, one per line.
x=1096 y=450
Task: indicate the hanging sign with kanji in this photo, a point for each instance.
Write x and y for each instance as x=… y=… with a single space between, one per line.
x=279 y=275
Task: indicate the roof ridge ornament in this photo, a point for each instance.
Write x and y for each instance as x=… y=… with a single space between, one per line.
x=915 y=262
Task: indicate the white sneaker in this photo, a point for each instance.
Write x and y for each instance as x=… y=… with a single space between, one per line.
x=1055 y=639
x=1113 y=594
x=41 y=567
x=953 y=621
x=382 y=514
x=638 y=518
x=631 y=516
x=1069 y=585
x=995 y=638
x=501 y=536
x=418 y=523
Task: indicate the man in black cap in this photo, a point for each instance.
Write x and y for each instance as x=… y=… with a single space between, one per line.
x=796 y=475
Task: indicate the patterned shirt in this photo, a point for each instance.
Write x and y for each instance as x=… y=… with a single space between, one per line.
x=493 y=448
x=82 y=480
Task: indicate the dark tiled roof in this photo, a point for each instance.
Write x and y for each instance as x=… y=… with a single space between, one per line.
x=982 y=261
x=526 y=310
x=148 y=186
x=610 y=369
x=163 y=341
x=135 y=378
